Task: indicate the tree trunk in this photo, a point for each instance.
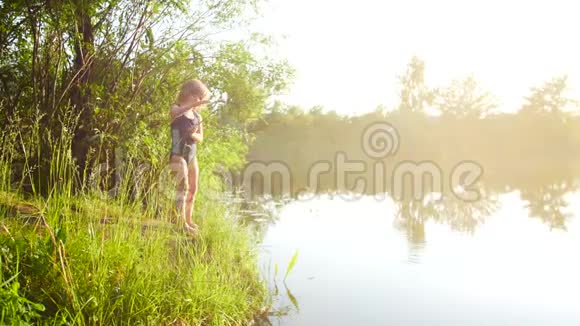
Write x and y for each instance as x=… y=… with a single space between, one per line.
x=80 y=93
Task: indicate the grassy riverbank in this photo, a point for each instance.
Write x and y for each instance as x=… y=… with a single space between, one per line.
x=93 y=259
x=86 y=260
x=87 y=227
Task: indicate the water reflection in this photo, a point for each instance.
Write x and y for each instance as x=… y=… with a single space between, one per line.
x=428 y=262
x=545 y=194
x=458 y=215
x=549 y=203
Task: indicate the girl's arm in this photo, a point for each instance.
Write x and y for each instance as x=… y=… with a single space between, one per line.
x=177 y=110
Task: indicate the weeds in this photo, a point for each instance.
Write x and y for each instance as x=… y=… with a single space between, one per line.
x=87 y=258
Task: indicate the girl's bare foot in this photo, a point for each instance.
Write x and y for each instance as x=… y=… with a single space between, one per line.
x=192 y=228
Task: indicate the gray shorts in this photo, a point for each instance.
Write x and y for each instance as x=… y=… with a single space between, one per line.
x=181 y=148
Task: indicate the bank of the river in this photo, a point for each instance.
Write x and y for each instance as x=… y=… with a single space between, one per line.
x=89 y=260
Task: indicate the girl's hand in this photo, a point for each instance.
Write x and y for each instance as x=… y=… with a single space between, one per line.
x=197 y=134
x=198 y=137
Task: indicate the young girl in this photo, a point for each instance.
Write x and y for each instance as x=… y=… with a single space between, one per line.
x=186 y=132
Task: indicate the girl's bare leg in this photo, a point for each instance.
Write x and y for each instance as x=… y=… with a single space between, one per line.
x=193 y=176
x=179 y=166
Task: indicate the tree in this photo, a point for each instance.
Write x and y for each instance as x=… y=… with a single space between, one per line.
x=112 y=68
x=464 y=98
x=549 y=99
x=414 y=93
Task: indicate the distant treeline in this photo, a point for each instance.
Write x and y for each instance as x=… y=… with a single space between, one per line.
x=535 y=151
x=511 y=148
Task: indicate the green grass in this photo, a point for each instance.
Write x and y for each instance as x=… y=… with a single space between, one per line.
x=85 y=271
x=84 y=258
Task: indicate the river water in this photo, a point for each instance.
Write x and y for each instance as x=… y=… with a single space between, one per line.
x=508 y=259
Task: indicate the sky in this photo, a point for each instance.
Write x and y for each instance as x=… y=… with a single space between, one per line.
x=348 y=54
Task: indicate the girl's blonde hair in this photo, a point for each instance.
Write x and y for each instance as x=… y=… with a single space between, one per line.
x=192 y=87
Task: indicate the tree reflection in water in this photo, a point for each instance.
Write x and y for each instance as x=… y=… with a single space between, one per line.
x=548 y=202
x=459 y=215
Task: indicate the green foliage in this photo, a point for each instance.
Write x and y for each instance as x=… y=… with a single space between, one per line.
x=118 y=72
x=16 y=309
x=130 y=271
x=85 y=89
x=87 y=258
x=245 y=81
x=291 y=264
